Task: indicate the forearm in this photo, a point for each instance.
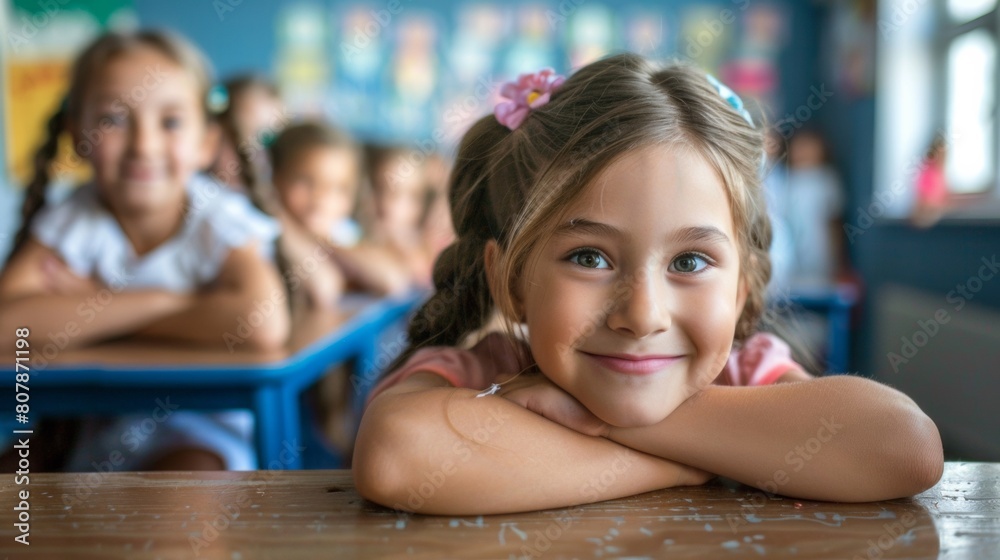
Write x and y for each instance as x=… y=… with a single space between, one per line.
x=228 y=318
x=443 y=451
x=371 y=268
x=841 y=438
x=313 y=271
x=72 y=321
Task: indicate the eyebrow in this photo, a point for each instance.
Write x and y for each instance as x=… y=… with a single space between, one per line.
x=105 y=98
x=693 y=234
x=705 y=234
x=583 y=226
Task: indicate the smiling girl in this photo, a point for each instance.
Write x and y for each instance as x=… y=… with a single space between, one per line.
x=616 y=223
x=169 y=254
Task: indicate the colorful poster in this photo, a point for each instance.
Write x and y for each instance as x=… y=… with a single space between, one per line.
x=302 y=61
x=591 y=34
x=40 y=42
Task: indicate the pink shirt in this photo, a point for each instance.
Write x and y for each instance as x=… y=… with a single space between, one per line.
x=762 y=359
x=931 y=186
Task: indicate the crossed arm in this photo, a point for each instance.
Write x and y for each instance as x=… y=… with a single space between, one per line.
x=37 y=290
x=814 y=439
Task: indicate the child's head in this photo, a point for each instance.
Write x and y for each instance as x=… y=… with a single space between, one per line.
x=623 y=218
x=938 y=150
x=398 y=185
x=806 y=149
x=137 y=111
x=316 y=171
x=256 y=114
x=256 y=105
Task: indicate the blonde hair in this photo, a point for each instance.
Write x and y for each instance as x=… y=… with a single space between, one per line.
x=511 y=186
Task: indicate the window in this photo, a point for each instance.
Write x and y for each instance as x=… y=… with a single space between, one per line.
x=970 y=115
x=970 y=59
x=938 y=75
x=965 y=10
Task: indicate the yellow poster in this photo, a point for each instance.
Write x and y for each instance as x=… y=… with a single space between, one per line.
x=34 y=92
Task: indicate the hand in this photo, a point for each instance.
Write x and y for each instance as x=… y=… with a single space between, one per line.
x=59 y=279
x=536 y=393
x=691 y=476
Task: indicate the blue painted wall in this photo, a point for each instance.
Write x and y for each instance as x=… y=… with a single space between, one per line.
x=244 y=39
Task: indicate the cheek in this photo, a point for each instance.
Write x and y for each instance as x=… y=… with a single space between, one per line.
x=559 y=314
x=186 y=153
x=710 y=324
x=106 y=154
x=294 y=199
x=337 y=203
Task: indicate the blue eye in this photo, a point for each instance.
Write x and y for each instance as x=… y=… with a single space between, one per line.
x=689 y=263
x=112 y=119
x=171 y=123
x=589 y=258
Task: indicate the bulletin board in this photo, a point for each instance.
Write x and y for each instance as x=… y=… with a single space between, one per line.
x=396 y=70
x=41 y=41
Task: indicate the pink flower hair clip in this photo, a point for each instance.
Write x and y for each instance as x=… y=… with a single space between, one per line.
x=530 y=91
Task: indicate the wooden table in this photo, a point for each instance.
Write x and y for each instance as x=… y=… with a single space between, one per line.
x=133 y=376
x=317 y=514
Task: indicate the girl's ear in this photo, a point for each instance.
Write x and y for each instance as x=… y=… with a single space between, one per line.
x=490 y=258
x=210 y=145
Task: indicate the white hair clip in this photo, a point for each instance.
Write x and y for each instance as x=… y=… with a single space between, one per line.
x=494 y=387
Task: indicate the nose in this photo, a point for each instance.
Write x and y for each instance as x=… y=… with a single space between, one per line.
x=146 y=137
x=643 y=307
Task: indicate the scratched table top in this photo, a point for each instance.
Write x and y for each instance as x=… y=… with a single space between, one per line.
x=318 y=514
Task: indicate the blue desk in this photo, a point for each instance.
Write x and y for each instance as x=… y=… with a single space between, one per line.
x=129 y=376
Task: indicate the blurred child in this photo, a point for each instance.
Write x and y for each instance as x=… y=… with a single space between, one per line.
x=317 y=171
x=932 y=187
x=782 y=251
x=253 y=116
x=813 y=212
x=615 y=222
x=409 y=208
x=182 y=258
x=438 y=229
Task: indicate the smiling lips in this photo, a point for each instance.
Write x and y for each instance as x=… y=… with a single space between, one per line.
x=633 y=364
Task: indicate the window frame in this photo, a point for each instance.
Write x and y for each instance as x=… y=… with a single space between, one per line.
x=946 y=32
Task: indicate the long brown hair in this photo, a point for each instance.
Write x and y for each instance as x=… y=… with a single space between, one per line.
x=511 y=186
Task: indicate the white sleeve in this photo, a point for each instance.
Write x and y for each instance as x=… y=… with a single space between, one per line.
x=72 y=229
x=230 y=223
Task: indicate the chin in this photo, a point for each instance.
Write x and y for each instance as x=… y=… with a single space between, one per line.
x=633 y=416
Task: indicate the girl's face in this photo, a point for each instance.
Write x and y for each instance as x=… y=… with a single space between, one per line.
x=400 y=194
x=142 y=127
x=318 y=187
x=632 y=304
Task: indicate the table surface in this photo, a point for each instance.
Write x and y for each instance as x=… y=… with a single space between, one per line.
x=318 y=514
x=308 y=327
x=317 y=337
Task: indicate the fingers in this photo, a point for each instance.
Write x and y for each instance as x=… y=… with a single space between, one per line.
x=56 y=275
x=61 y=280
x=690 y=476
x=559 y=407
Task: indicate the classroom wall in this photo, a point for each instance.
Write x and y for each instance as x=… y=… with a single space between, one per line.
x=243 y=39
